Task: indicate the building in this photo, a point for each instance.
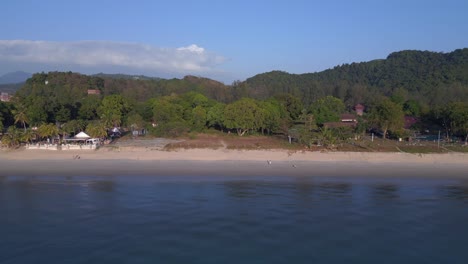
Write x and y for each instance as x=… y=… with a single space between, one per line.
x=410 y=121
x=94 y=91
x=348 y=118
x=5 y=97
x=359 y=108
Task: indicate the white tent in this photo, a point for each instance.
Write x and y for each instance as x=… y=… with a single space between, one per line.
x=82 y=135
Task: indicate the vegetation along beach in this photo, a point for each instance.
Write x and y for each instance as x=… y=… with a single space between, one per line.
x=398 y=116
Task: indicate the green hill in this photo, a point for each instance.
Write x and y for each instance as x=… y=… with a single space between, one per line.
x=429 y=77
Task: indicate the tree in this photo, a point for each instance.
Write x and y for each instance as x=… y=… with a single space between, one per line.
x=63 y=114
x=215 y=115
x=12 y=138
x=36 y=110
x=242 y=115
x=272 y=115
x=135 y=121
x=112 y=109
x=458 y=115
x=327 y=137
x=6 y=117
x=327 y=109
x=20 y=115
x=399 y=96
x=28 y=135
x=292 y=104
x=164 y=111
x=198 y=99
x=199 y=118
x=89 y=107
x=387 y=115
x=412 y=108
x=96 y=130
x=74 y=126
x=47 y=130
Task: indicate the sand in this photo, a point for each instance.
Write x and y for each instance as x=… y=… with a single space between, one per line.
x=206 y=162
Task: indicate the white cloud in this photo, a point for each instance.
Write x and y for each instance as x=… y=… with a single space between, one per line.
x=103 y=55
x=192 y=48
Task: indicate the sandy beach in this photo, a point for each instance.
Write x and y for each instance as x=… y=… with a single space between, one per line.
x=143 y=161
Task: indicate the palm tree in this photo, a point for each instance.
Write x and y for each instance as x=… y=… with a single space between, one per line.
x=21 y=116
x=96 y=130
x=327 y=136
x=47 y=130
x=12 y=138
x=73 y=126
x=28 y=135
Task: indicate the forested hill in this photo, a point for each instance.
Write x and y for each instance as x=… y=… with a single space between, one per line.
x=428 y=77
x=68 y=86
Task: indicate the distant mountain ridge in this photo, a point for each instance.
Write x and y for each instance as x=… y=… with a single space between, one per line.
x=14 y=77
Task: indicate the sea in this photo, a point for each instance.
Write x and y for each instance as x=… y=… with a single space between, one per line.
x=232 y=219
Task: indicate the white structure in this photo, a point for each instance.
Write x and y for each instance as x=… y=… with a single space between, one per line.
x=81 y=141
x=42 y=146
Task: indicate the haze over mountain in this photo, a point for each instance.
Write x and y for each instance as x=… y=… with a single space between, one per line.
x=14 y=77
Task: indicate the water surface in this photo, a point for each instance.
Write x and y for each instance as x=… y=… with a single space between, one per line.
x=232 y=220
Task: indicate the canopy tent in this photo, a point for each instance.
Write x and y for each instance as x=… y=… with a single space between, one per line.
x=82 y=135
x=81 y=141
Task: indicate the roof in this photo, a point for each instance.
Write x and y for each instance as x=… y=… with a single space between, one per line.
x=348 y=116
x=339 y=124
x=82 y=135
x=410 y=121
x=359 y=106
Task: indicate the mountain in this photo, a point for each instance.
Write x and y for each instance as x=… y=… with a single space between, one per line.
x=14 y=77
x=429 y=77
x=67 y=86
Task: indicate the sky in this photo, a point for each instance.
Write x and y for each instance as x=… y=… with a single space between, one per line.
x=222 y=40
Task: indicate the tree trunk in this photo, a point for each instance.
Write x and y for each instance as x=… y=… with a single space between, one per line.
x=241 y=131
x=385 y=134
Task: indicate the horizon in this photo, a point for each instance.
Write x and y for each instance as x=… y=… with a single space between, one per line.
x=221 y=41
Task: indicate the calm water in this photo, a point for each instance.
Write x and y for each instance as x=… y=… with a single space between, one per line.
x=232 y=220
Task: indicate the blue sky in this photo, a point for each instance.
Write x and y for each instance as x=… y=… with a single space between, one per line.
x=223 y=40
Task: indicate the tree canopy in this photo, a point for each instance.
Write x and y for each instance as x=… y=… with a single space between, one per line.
x=431 y=87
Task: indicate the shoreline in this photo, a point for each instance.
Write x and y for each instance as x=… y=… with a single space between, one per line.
x=207 y=162
x=140 y=153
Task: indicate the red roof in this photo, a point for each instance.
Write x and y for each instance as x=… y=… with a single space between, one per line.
x=410 y=121
x=359 y=107
x=348 y=117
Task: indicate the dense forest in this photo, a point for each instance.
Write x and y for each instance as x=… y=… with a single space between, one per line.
x=430 y=87
x=431 y=78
